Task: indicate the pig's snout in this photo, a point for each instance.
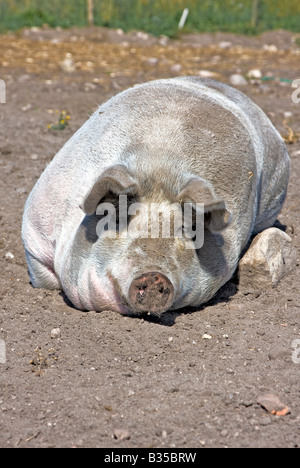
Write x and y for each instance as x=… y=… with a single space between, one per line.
x=151 y=292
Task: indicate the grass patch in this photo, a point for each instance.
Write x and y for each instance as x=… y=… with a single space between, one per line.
x=156 y=16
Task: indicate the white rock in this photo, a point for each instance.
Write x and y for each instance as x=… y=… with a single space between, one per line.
x=207 y=74
x=163 y=40
x=176 y=68
x=225 y=44
x=206 y=336
x=270 y=48
x=68 y=65
x=9 y=255
x=255 y=74
x=142 y=35
x=121 y=434
x=152 y=61
x=26 y=108
x=270 y=257
x=55 y=333
x=238 y=80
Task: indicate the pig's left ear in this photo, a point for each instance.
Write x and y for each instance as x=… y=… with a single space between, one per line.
x=115 y=179
x=197 y=190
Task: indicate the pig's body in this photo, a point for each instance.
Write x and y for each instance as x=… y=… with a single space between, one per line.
x=175 y=139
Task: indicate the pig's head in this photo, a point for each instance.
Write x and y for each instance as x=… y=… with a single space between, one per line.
x=135 y=253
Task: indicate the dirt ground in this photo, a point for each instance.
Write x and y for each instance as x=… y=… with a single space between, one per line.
x=192 y=379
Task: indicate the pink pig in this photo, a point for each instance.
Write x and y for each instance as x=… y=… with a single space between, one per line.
x=169 y=142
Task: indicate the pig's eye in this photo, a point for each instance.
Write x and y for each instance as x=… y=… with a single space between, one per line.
x=207 y=219
x=119 y=207
x=194 y=224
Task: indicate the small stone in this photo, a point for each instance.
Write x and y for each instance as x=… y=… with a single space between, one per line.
x=273 y=405
x=26 y=107
x=225 y=44
x=68 y=65
x=55 y=333
x=152 y=61
x=238 y=80
x=270 y=47
x=176 y=68
x=207 y=74
x=255 y=74
x=21 y=190
x=206 y=336
x=121 y=434
x=9 y=256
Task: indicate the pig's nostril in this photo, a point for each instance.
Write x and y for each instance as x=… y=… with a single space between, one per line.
x=152 y=292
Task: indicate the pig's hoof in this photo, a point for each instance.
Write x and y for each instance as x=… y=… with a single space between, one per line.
x=152 y=292
x=270 y=257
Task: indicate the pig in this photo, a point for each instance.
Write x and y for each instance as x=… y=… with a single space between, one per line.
x=186 y=140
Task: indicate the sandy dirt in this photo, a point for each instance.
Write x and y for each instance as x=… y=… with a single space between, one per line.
x=192 y=379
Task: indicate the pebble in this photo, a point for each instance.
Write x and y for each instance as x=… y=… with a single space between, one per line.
x=26 y=108
x=255 y=74
x=225 y=44
x=176 y=68
x=55 y=333
x=121 y=434
x=152 y=61
x=21 y=190
x=238 y=80
x=207 y=74
x=68 y=65
x=270 y=47
x=9 y=256
x=206 y=336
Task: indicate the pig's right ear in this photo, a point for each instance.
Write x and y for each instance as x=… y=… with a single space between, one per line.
x=115 y=179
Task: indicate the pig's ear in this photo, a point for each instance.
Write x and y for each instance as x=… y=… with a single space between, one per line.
x=115 y=179
x=197 y=190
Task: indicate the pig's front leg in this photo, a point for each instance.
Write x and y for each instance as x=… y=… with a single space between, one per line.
x=41 y=275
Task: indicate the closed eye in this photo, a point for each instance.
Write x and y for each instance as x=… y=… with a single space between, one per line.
x=121 y=207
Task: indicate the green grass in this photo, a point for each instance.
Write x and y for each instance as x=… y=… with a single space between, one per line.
x=154 y=16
